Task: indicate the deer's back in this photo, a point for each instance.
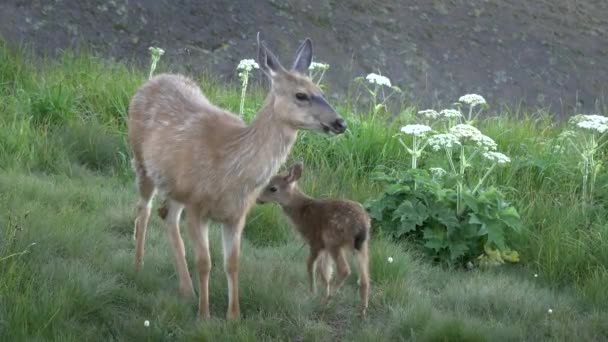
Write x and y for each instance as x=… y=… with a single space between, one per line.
x=332 y=222
x=178 y=136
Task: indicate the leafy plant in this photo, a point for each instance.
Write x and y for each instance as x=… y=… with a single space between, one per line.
x=418 y=205
x=244 y=68
x=588 y=136
x=452 y=218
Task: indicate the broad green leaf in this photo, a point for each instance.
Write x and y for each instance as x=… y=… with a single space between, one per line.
x=496 y=233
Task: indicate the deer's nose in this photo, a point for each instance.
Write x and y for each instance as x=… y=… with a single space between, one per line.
x=339 y=125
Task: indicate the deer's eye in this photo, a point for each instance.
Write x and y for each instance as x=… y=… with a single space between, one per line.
x=273 y=189
x=301 y=97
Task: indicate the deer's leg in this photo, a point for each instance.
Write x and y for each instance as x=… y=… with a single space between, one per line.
x=363 y=261
x=310 y=267
x=173 y=212
x=343 y=270
x=199 y=234
x=145 y=188
x=325 y=270
x=231 y=237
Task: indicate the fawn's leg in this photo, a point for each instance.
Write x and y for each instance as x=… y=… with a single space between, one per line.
x=310 y=267
x=231 y=236
x=325 y=270
x=172 y=212
x=363 y=261
x=343 y=270
x=198 y=228
x=145 y=188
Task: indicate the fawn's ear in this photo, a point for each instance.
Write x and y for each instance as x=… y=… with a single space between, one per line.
x=294 y=173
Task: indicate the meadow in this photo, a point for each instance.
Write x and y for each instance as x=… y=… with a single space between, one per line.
x=67 y=201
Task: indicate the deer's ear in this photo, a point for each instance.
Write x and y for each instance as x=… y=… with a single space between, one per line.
x=294 y=173
x=303 y=56
x=267 y=61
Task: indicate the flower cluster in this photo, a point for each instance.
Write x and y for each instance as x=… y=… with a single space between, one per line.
x=593 y=123
x=318 y=66
x=416 y=130
x=466 y=132
x=156 y=51
x=437 y=172
x=247 y=65
x=472 y=99
x=378 y=79
x=429 y=113
x=444 y=140
x=450 y=113
x=496 y=157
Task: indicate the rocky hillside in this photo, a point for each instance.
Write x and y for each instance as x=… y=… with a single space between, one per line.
x=535 y=53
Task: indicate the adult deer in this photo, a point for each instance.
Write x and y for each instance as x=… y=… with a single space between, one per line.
x=208 y=161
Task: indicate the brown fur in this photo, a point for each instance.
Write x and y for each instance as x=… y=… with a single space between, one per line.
x=329 y=226
x=208 y=161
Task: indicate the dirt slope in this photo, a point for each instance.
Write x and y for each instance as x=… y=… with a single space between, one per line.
x=544 y=52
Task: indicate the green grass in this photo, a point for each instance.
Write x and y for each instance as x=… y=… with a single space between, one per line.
x=66 y=185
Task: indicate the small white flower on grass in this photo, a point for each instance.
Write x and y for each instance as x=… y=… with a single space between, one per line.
x=416 y=130
x=390 y=260
x=450 y=113
x=496 y=157
x=318 y=66
x=472 y=99
x=444 y=140
x=146 y=323
x=378 y=79
x=535 y=275
x=247 y=65
x=429 y=113
x=550 y=311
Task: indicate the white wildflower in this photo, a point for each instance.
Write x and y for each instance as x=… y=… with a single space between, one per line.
x=535 y=275
x=566 y=135
x=496 y=157
x=550 y=311
x=320 y=66
x=437 y=172
x=390 y=260
x=146 y=323
x=445 y=140
x=378 y=79
x=464 y=131
x=247 y=65
x=450 y=113
x=156 y=51
x=472 y=99
x=429 y=113
x=484 y=142
x=591 y=117
x=593 y=126
x=415 y=129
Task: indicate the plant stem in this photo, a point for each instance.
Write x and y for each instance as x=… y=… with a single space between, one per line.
x=243 y=92
x=484 y=178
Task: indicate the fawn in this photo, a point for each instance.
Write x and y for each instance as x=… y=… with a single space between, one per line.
x=329 y=226
x=207 y=161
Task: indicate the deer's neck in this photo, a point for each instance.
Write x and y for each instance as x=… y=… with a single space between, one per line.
x=261 y=148
x=297 y=206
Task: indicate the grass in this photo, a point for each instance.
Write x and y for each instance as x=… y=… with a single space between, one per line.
x=66 y=185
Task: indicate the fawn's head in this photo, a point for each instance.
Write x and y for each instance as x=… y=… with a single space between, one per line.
x=298 y=101
x=280 y=188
